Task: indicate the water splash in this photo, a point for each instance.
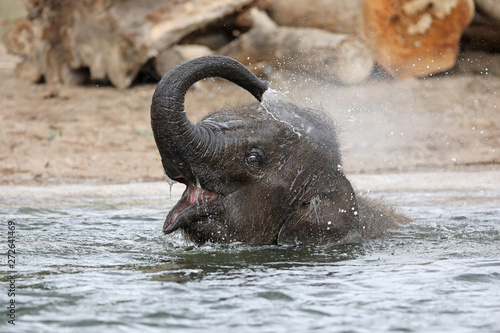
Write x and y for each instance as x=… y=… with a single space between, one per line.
x=272 y=95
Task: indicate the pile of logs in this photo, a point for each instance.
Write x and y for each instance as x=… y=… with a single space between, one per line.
x=71 y=42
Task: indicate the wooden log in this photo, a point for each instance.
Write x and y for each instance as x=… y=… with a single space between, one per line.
x=490 y=8
x=415 y=38
x=340 y=57
x=339 y=16
x=67 y=41
x=170 y=58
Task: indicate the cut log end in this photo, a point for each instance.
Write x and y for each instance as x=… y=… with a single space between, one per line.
x=355 y=61
x=415 y=38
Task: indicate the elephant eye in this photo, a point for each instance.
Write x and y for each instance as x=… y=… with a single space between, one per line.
x=253 y=158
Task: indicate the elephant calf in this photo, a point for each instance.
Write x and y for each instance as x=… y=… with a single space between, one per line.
x=266 y=173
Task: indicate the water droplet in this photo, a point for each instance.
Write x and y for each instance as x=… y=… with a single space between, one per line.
x=272 y=95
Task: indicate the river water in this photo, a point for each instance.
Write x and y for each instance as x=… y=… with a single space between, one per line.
x=88 y=263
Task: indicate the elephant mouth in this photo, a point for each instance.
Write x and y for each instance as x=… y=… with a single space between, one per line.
x=193 y=205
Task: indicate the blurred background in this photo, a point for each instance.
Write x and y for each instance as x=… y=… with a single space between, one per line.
x=10 y=11
x=413 y=86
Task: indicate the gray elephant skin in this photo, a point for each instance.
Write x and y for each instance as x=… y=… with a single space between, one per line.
x=265 y=173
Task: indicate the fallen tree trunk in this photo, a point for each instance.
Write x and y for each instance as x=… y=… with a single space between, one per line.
x=339 y=16
x=319 y=53
x=415 y=38
x=70 y=41
x=490 y=8
x=408 y=38
x=167 y=60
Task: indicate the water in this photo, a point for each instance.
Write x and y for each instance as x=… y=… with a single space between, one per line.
x=272 y=95
x=90 y=264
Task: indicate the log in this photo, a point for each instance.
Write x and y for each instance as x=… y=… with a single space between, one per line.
x=167 y=60
x=71 y=41
x=490 y=8
x=322 y=54
x=338 y=16
x=415 y=38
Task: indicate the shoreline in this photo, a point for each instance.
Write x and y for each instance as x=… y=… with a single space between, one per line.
x=488 y=180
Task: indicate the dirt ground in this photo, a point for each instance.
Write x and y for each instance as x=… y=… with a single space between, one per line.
x=96 y=133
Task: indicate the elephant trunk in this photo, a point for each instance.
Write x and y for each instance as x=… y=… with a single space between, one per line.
x=179 y=141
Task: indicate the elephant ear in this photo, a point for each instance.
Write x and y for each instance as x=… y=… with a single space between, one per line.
x=327 y=217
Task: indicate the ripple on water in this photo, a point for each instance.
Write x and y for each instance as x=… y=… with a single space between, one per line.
x=101 y=265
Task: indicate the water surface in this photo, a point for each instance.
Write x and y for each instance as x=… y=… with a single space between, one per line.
x=88 y=264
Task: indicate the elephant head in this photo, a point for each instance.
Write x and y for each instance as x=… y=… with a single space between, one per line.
x=266 y=173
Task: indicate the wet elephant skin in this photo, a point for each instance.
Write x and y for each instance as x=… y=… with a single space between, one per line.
x=265 y=173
